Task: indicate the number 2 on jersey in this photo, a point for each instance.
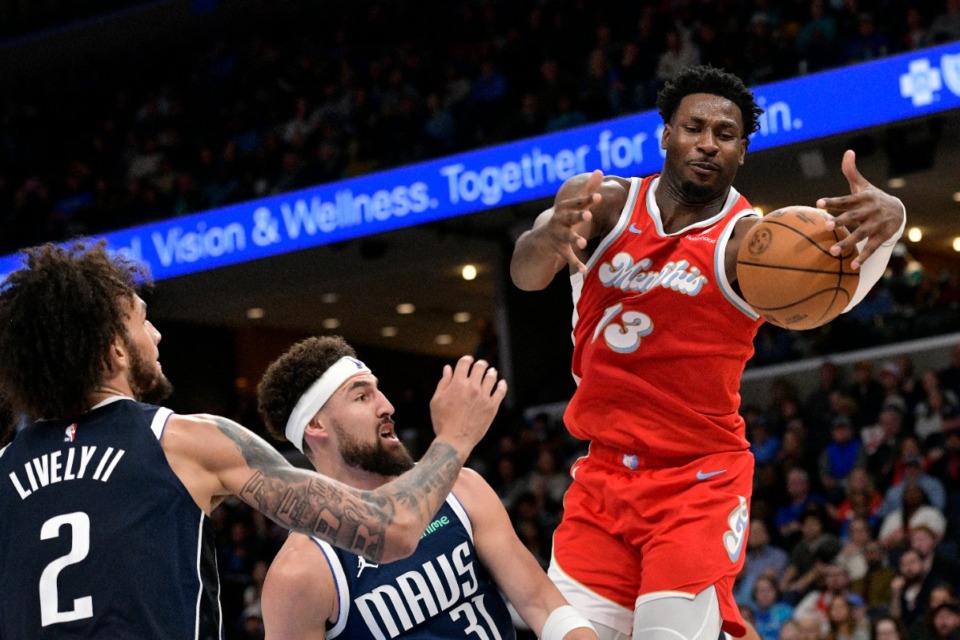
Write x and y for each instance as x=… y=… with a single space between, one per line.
x=623 y=336
x=50 y=613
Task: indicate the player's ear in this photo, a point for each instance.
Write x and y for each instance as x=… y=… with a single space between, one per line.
x=117 y=356
x=665 y=136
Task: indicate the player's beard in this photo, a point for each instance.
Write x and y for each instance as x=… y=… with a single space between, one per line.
x=147 y=383
x=372 y=457
x=697 y=192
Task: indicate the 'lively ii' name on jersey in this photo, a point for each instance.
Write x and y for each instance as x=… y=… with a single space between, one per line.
x=76 y=463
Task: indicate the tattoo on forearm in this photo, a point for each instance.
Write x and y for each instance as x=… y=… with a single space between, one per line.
x=348 y=518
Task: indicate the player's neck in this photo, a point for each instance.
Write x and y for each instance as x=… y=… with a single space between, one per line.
x=678 y=211
x=104 y=391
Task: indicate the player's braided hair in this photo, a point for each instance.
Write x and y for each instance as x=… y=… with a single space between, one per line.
x=59 y=316
x=290 y=375
x=708 y=79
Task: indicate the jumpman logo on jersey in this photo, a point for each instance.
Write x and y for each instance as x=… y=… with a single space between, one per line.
x=363 y=564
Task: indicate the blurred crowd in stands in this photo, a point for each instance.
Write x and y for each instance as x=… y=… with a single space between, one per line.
x=856 y=513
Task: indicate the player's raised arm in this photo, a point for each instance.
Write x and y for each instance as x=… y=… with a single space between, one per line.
x=559 y=235
x=217 y=457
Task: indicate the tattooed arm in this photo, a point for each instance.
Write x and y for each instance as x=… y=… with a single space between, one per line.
x=215 y=457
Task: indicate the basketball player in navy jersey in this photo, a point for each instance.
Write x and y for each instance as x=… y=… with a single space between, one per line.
x=105 y=500
x=327 y=403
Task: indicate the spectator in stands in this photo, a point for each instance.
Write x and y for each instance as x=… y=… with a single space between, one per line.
x=869 y=43
x=937 y=411
x=890 y=379
x=789 y=517
x=812 y=626
x=810 y=556
x=874 y=586
x=847 y=619
x=834 y=583
x=851 y=555
x=950 y=375
x=769 y=611
x=844 y=454
x=946 y=468
x=914 y=473
x=882 y=443
x=817 y=409
x=910 y=589
x=914 y=508
x=789 y=631
x=886 y=627
x=946 y=621
x=763 y=559
x=862 y=501
x=867 y=392
x=946 y=25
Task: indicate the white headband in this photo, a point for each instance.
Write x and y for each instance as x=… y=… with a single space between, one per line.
x=317 y=395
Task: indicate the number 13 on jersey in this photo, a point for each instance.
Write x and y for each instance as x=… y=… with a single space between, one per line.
x=622 y=330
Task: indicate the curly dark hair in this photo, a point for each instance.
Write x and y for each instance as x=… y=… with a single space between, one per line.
x=289 y=376
x=708 y=79
x=59 y=316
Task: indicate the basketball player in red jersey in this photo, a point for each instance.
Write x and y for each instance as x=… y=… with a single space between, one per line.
x=661 y=338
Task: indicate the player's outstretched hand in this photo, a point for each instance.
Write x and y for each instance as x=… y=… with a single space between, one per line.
x=465 y=402
x=868 y=212
x=571 y=208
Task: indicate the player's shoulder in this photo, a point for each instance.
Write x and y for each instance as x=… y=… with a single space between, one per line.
x=299 y=564
x=472 y=490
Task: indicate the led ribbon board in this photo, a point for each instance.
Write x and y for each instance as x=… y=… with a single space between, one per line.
x=856 y=97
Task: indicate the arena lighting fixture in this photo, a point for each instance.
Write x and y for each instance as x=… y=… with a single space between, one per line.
x=255 y=313
x=914 y=234
x=329 y=298
x=896 y=183
x=405 y=308
x=330 y=323
x=462 y=317
x=758 y=210
x=469 y=272
x=956 y=244
x=443 y=339
x=956 y=196
x=388 y=332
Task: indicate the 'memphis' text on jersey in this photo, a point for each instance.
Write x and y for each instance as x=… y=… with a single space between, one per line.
x=625 y=274
x=76 y=463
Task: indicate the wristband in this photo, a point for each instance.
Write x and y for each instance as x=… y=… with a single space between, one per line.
x=562 y=621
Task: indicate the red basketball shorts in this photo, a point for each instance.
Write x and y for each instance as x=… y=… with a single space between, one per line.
x=633 y=527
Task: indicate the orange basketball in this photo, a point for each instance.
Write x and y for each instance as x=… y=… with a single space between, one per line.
x=786 y=272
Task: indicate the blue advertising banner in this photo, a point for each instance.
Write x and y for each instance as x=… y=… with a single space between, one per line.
x=799 y=109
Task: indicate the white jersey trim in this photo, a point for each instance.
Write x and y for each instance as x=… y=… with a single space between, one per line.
x=341 y=586
x=196 y=613
x=461 y=512
x=625 y=214
x=160 y=421
x=720 y=271
x=654 y=209
x=4 y=450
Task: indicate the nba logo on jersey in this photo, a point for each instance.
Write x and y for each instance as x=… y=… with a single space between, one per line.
x=70 y=433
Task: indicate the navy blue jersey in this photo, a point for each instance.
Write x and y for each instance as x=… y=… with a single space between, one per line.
x=440 y=592
x=98 y=536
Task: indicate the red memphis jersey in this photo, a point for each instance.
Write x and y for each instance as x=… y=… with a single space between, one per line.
x=660 y=337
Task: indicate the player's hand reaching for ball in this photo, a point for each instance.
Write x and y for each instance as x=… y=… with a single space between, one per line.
x=870 y=213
